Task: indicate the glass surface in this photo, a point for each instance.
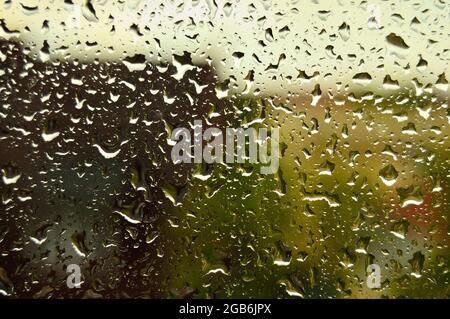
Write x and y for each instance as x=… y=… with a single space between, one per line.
x=352 y=97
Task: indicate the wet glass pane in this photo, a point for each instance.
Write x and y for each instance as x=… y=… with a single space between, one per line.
x=214 y=149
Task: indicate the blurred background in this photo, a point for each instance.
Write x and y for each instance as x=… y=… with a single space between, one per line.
x=91 y=91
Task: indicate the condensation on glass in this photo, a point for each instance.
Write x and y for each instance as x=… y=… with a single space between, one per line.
x=91 y=91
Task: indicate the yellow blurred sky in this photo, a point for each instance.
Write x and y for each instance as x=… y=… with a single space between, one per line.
x=337 y=39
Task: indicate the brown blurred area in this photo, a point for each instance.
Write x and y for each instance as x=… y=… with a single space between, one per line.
x=66 y=197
